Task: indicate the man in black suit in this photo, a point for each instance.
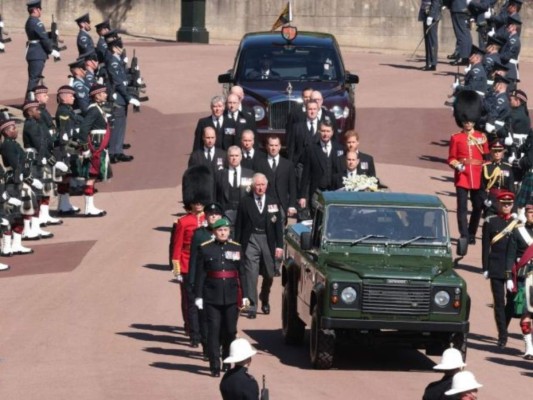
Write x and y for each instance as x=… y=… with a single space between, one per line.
x=238 y=90
x=208 y=154
x=298 y=114
x=238 y=119
x=366 y=161
x=251 y=156
x=218 y=122
x=232 y=183
x=302 y=134
x=353 y=168
x=259 y=229
x=323 y=113
x=281 y=176
x=322 y=163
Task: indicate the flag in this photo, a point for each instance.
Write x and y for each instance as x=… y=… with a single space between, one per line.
x=284 y=17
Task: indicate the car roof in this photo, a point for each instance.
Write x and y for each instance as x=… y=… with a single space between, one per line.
x=380 y=199
x=303 y=39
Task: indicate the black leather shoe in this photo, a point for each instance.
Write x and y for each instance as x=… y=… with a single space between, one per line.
x=113 y=158
x=126 y=146
x=460 y=61
x=471 y=240
x=252 y=315
x=452 y=56
x=215 y=373
x=277 y=272
x=429 y=68
x=502 y=342
x=265 y=307
x=124 y=157
x=225 y=367
x=195 y=344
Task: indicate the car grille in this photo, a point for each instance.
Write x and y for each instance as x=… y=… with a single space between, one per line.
x=279 y=112
x=396 y=299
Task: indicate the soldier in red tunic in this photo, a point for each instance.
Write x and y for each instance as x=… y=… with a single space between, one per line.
x=466 y=154
x=195 y=196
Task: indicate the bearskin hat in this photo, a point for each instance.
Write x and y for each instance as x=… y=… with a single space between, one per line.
x=468 y=107
x=197 y=185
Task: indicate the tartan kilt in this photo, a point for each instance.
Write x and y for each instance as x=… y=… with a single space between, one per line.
x=525 y=194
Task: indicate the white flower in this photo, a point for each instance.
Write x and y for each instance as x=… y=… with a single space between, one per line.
x=360 y=183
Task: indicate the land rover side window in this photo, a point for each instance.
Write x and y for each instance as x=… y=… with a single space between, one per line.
x=290 y=63
x=349 y=223
x=317 y=228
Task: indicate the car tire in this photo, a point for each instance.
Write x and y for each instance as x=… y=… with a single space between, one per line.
x=292 y=327
x=460 y=342
x=321 y=344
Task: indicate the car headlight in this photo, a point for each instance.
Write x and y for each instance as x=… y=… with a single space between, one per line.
x=259 y=113
x=442 y=298
x=340 y=112
x=349 y=295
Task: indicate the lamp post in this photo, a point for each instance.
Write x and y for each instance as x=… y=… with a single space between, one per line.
x=192 y=28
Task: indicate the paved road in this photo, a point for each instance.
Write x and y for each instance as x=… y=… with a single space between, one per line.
x=93 y=314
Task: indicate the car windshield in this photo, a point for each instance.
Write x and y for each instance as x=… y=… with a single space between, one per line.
x=289 y=63
x=406 y=225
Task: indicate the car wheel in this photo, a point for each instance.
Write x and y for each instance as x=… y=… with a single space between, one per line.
x=322 y=344
x=459 y=341
x=292 y=327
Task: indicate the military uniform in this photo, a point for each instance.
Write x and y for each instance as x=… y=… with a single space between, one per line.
x=461 y=25
x=435 y=390
x=509 y=56
x=94 y=133
x=217 y=282
x=84 y=42
x=430 y=9
x=82 y=95
x=497 y=177
x=476 y=79
x=38 y=47
x=468 y=150
x=497 y=112
x=237 y=383
x=496 y=232
x=182 y=234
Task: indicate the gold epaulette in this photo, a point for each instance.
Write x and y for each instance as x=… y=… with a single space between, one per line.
x=233 y=242
x=505 y=163
x=207 y=242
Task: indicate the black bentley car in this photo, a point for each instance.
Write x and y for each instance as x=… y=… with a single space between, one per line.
x=273 y=70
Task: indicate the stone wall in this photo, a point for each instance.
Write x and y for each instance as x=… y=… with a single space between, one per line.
x=372 y=24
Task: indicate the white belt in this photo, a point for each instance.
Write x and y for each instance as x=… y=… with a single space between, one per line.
x=480 y=93
x=98 y=132
x=490 y=82
x=513 y=61
x=33 y=41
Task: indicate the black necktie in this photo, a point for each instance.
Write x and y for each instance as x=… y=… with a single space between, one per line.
x=248 y=156
x=209 y=157
x=235 y=183
x=259 y=203
x=312 y=130
x=274 y=166
x=217 y=125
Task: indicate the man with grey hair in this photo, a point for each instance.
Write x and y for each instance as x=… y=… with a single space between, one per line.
x=259 y=230
x=217 y=121
x=232 y=183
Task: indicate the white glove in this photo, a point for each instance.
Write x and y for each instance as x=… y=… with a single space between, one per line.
x=508 y=140
x=2 y=24
x=61 y=166
x=489 y=127
x=14 y=202
x=460 y=167
x=429 y=21
x=468 y=1
x=55 y=54
x=2 y=46
x=64 y=137
x=486 y=274
x=114 y=96
x=245 y=302
x=487 y=203
x=57 y=32
x=510 y=285
x=37 y=184
x=139 y=81
x=135 y=102
x=511 y=159
x=4 y=222
x=454 y=85
x=487 y=14
x=179 y=278
x=492 y=32
x=521 y=216
x=44 y=161
x=468 y=68
x=199 y=303
x=125 y=59
x=86 y=154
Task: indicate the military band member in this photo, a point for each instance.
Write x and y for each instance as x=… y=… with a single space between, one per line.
x=497 y=230
x=41 y=95
x=68 y=124
x=19 y=183
x=93 y=139
x=84 y=41
x=194 y=197
x=217 y=287
x=518 y=261
x=237 y=383
x=198 y=322
x=497 y=177
x=466 y=156
x=38 y=145
x=259 y=228
x=38 y=46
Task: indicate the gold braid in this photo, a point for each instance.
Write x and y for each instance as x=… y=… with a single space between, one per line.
x=495 y=176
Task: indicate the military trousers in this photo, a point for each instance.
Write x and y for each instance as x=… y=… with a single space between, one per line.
x=469 y=228
x=221 y=330
x=503 y=306
x=431 y=43
x=461 y=29
x=35 y=71
x=118 y=132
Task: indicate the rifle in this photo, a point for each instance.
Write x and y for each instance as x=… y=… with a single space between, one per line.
x=56 y=41
x=136 y=85
x=3 y=39
x=264 y=391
